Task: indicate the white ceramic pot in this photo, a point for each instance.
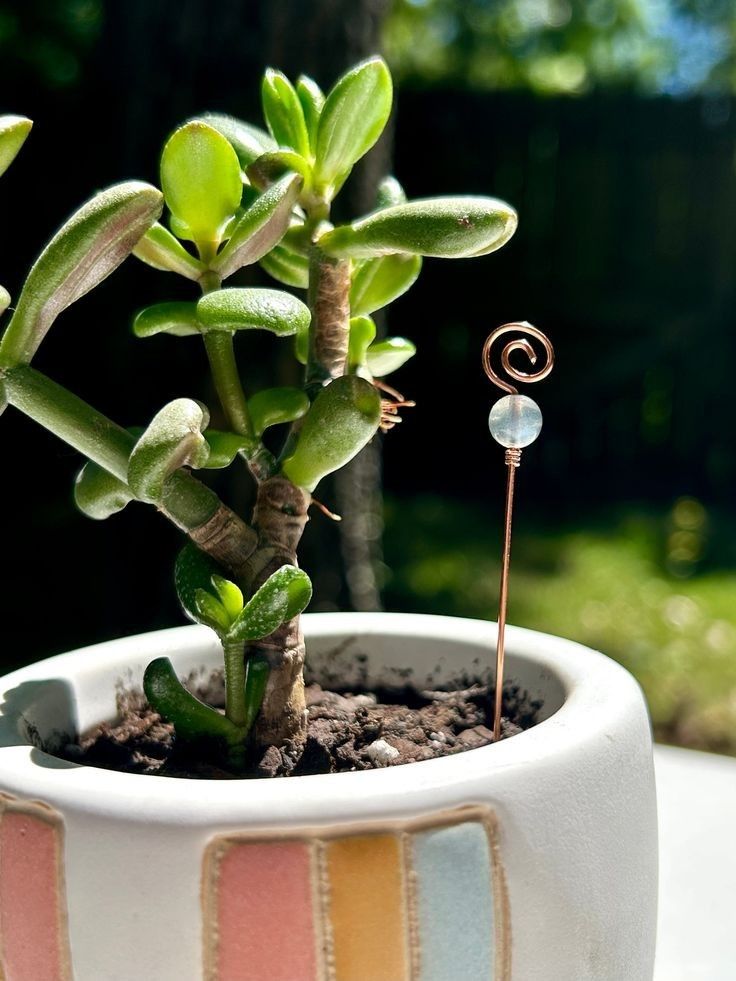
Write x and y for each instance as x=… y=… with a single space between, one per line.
x=531 y=860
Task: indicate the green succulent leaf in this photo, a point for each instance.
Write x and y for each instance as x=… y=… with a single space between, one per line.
x=389 y=193
x=354 y=115
x=193 y=721
x=287 y=267
x=224 y=447
x=211 y=612
x=387 y=355
x=284 y=113
x=200 y=178
x=178 y=317
x=193 y=572
x=362 y=335
x=249 y=142
x=283 y=595
x=159 y=248
x=13 y=133
x=99 y=494
x=312 y=99
x=271 y=167
x=260 y=228
x=343 y=418
x=5 y=299
x=229 y=595
x=275 y=406
x=85 y=250
x=253 y=309
x=378 y=282
x=172 y=440
x=448 y=228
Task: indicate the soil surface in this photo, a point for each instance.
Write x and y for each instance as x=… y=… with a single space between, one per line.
x=345 y=731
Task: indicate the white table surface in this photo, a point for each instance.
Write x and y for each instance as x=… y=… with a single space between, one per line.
x=697 y=889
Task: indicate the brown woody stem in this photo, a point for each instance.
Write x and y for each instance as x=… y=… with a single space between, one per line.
x=329 y=301
x=279 y=517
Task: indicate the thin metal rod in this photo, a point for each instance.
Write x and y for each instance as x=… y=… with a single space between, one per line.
x=513 y=459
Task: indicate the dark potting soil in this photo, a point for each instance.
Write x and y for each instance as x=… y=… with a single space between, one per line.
x=345 y=731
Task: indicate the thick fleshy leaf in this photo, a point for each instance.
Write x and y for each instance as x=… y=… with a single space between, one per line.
x=283 y=595
x=5 y=299
x=387 y=355
x=13 y=133
x=362 y=335
x=312 y=99
x=353 y=117
x=159 y=248
x=193 y=721
x=260 y=228
x=378 y=282
x=249 y=309
x=249 y=142
x=99 y=494
x=284 y=113
x=200 y=178
x=178 y=317
x=85 y=250
x=272 y=167
x=224 y=447
x=389 y=193
x=449 y=228
x=193 y=572
x=287 y=267
x=343 y=418
x=172 y=440
x=275 y=406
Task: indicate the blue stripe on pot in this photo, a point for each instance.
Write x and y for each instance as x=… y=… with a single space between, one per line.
x=454 y=903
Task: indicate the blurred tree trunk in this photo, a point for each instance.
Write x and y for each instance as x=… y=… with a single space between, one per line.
x=166 y=60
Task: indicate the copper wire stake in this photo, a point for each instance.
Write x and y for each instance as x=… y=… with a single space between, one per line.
x=515 y=422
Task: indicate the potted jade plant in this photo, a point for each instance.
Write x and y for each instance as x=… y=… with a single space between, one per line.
x=179 y=805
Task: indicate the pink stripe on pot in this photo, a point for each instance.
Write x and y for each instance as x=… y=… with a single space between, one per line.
x=261 y=896
x=33 y=933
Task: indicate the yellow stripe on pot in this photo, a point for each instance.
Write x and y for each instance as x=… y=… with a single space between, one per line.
x=367 y=920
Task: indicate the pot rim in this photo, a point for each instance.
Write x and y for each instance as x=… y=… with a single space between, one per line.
x=597 y=691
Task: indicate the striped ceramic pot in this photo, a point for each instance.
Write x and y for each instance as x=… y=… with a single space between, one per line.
x=531 y=860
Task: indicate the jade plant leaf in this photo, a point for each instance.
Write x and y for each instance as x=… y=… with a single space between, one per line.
x=99 y=494
x=160 y=249
x=378 y=282
x=248 y=141
x=260 y=228
x=389 y=193
x=5 y=299
x=224 y=447
x=354 y=115
x=343 y=418
x=200 y=178
x=172 y=440
x=193 y=574
x=178 y=317
x=271 y=167
x=387 y=355
x=85 y=250
x=284 y=113
x=192 y=719
x=275 y=406
x=312 y=99
x=449 y=228
x=13 y=133
x=362 y=335
x=253 y=309
x=287 y=267
x=283 y=595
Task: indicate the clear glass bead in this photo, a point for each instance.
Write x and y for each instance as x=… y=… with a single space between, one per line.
x=515 y=421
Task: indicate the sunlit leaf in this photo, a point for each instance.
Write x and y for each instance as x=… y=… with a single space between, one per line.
x=99 y=494
x=249 y=142
x=388 y=355
x=362 y=334
x=287 y=267
x=249 y=309
x=13 y=133
x=160 y=249
x=378 y=282
x=179 y=317
x=275 y=406
x=284 y=113
x=312 y=99
x=172 y=440
x=284 y=595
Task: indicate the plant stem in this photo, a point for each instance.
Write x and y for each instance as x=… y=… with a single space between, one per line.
x=190 y=505
x=329 y=333
x=221 y=354
x=235 y=682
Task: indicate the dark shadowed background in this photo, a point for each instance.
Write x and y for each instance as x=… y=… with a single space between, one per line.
x=611 y=127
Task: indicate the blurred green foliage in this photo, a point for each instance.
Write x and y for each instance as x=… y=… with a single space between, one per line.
x=644 y=588
x=566 y=46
